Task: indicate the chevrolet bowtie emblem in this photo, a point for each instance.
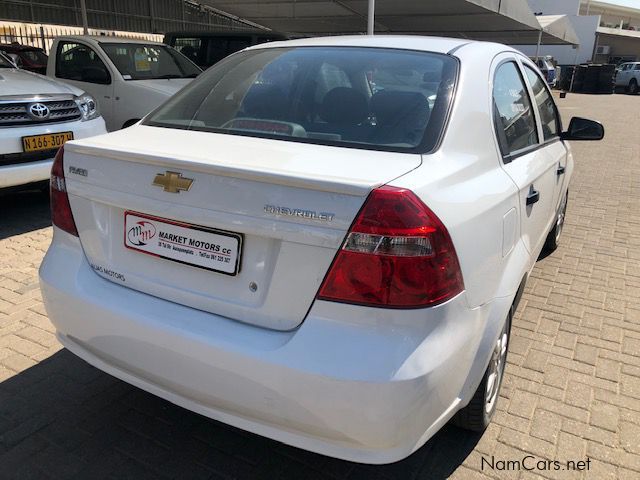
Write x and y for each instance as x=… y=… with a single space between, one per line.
x=172 y=182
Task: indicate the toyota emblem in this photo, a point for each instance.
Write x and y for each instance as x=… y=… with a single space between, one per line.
x=39 y=111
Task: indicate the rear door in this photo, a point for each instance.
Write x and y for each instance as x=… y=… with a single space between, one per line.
x=622 y=78
x=549 y=120
x=519 y=140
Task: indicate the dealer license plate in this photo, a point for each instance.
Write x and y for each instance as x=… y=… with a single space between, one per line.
x=47 y=141
x=202 y=247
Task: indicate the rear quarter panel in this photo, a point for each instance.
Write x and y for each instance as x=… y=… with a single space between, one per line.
x=464 y=184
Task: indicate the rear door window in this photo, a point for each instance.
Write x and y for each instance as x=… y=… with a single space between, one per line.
x=546 y=106
x=513 y=115
x=190 y=47
x=221 y=47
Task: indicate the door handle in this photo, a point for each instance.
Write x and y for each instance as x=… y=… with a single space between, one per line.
x=533 y=196
x=560 y=170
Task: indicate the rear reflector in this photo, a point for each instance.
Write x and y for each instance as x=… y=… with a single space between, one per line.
x=398 y=254
x=61 y=215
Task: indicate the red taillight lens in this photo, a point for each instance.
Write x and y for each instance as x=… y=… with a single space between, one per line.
x=61 y=215
x=398 y=254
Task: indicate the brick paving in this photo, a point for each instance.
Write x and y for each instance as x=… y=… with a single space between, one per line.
x=571 y=391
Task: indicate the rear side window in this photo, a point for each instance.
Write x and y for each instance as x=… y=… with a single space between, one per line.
x=221 y=47
x=190 y=47
x=546 y=106
x=375 y=98
x=513 y=115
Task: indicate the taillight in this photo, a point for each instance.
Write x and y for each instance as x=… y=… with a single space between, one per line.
x=61 y=215
x=398 y=254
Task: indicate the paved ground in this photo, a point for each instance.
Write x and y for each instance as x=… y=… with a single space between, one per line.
x=571 y=393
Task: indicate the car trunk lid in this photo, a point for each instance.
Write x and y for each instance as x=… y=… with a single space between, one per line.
x=280 y=208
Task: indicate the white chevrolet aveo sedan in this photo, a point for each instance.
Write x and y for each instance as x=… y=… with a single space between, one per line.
x=321 y=241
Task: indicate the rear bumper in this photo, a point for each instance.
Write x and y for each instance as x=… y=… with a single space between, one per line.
x=370 y=389
x=11 y=142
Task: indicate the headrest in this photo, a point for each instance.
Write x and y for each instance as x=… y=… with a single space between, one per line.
x=397 y=107
x=265 y=101
x=344 y=106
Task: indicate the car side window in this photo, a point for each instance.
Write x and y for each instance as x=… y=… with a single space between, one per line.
x=190 y=47
x=75 y=61
x=546 y=106
x=637 y=67
x=513 y=115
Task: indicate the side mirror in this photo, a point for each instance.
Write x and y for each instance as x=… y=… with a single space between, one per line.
x=96 y=75
x=17 y=61
x=583 y=129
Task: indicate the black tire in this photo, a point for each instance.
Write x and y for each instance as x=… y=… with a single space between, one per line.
x=477 y=415
x=633 y=87
x=553 y=238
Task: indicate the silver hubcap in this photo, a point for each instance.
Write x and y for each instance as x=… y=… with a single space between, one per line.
x=496 y=370
x=560 y=219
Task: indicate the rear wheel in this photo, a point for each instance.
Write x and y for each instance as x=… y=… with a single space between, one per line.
x=478 y=414
x=633 y=86
x=553 y=238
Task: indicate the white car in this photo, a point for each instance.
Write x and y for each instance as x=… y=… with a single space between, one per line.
x=37 y=115
x=284 y=249
x=127 y=77
x=628 y=77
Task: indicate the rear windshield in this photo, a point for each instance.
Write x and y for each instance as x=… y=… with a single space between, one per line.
x=374 y=98
x=34 y=56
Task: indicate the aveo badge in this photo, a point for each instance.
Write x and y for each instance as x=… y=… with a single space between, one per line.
x=141 y=232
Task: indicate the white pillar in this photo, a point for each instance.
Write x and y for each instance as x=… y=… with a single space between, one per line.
x=371 y=14
x=538 y=45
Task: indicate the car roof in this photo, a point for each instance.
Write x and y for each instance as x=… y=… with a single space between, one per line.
x=404 y=42
x=107 y=39
x=10 y=46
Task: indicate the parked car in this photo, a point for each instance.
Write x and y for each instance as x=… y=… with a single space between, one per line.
x=26 y=57
x=284 y=250
x=128 y=78
x=37 y=116
x=206 y=48
x=628 y=77
x=546 y=66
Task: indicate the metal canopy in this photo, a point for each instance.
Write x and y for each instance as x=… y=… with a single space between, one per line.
x=558 y=26
x=505 y=21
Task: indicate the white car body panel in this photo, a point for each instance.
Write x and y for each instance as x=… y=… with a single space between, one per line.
x=298 y=387
x=360 y=383
x=22 y=82
x=122 y=101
